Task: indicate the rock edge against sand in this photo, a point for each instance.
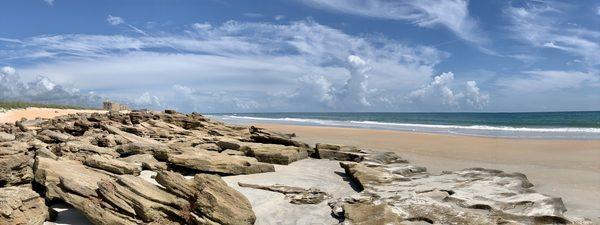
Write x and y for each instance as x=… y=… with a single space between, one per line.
x=92 y=162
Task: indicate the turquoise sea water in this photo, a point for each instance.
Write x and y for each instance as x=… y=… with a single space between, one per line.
x=551 y=125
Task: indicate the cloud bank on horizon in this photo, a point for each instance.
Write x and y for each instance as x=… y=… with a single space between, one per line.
x=308 y=55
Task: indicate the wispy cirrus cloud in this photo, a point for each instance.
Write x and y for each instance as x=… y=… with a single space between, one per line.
x=542 y=25
x=116 y=21
x=549 y=80
x=451 y=14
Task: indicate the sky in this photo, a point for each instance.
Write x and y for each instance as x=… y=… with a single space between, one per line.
x=304 y=55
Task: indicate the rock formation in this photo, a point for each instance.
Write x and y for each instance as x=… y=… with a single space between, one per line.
x=92 y=162
x=395 y=191
x=22 y=206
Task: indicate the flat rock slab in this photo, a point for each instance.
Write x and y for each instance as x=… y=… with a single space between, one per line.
x=272 y=207
x=214 y=162
x=275 y=154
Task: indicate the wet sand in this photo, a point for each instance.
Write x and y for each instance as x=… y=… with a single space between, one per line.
x=11 y=116
x=566 y=168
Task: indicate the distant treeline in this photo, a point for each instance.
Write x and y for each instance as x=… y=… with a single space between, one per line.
x=22 y=105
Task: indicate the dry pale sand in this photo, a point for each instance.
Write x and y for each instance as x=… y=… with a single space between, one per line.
x=566 y=168
x=11 y=116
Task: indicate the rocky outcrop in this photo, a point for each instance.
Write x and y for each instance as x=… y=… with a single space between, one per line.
x=338 y=152
x=4 y=137
x=296 y=195
x=113 y=165
x=212 y=201
x=63 y=177
x=265 y=136
x=126 y=199
x=276 y=154
x=22 y=206
x=80 y=150
x=394 y=192
x=214 y=162
x=15 y=163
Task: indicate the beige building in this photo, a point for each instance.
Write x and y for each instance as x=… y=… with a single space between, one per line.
x=113 y=106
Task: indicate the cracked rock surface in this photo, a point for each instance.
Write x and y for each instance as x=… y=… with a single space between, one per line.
x=296 y=195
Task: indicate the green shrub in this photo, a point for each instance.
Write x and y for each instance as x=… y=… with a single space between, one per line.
x=22 y=105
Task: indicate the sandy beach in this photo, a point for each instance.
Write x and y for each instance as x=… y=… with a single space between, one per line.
x=566 y=168
x=11 y=116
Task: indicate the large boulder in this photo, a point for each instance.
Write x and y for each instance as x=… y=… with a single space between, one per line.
x=22 y=206
x=67 y=176
x=214 y=162
x=15 y=163
x=276 y=154
x=140 y=199
x=213 y=202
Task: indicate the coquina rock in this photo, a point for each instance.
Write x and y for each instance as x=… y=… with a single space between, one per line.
x=16 y=163
x=399 y=193
x=5 y=137
x=268 y=137
x=22 y=206
x=213 y=202
x=276 y=154
x=214 y=162
x=113 y=165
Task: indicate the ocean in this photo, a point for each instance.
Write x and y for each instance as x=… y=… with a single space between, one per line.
x=542 y=125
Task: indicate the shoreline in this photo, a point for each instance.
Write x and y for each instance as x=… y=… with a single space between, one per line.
x=489 y=131
x=566 y=168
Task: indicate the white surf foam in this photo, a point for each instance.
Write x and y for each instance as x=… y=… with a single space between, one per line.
x=475 y=130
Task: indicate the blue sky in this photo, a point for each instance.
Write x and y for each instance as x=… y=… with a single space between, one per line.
x=304 y=55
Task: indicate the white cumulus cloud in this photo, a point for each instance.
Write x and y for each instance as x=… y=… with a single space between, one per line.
x=7 y=70
x=245 y=65
x=442 y=89
x=41 y=89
